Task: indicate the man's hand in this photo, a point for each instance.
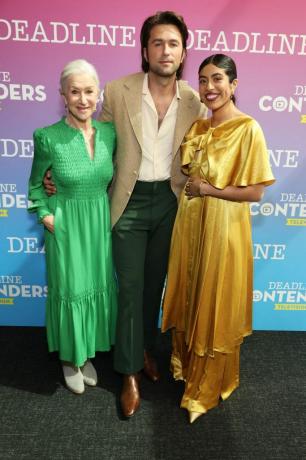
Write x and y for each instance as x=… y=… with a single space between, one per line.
x=50 y=188
x=48 y=222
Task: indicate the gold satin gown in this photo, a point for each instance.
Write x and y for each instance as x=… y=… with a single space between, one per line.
x=208 y=298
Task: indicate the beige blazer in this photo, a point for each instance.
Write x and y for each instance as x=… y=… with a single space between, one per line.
x=122 y=105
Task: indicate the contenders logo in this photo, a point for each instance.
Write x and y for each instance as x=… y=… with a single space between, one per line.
x=12 y=287
x=13 y=91
x=293 y=103
x=292 y=206
x=284 y=295
x=9 y=198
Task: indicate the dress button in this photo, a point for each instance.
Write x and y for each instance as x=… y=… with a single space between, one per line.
x=129 y=193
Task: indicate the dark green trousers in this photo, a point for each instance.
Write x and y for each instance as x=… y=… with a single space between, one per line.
x=141 y=242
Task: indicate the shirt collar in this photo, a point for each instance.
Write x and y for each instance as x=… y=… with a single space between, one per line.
x=145 y=87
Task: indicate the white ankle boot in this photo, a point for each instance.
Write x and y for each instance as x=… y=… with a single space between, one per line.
x=74 y=379
x=89 y=374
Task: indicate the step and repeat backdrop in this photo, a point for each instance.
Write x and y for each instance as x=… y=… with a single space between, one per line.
x=268 y=42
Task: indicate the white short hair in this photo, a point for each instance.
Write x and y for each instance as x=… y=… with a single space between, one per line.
x=79 y=66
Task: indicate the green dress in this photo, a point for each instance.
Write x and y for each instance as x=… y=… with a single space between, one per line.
x=82 y=294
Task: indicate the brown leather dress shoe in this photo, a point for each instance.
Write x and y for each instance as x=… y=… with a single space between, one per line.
x=130 y=398
x=150 y=368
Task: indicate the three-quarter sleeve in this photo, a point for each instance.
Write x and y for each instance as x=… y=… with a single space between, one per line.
x=41 y=163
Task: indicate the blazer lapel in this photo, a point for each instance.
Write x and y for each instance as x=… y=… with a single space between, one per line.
x=186 y=114
x=133 y=99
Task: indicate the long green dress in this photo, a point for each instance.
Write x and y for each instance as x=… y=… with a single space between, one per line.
x=82 y=298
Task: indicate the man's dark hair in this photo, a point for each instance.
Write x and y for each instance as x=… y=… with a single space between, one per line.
x=162 y=17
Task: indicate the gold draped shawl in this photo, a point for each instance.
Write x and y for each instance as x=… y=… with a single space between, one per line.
x=235 y=151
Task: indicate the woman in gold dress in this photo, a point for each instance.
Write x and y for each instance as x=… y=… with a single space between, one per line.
x=208 y=299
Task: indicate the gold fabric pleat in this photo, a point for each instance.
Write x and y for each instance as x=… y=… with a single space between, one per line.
x=208 y=378
x=208 y=298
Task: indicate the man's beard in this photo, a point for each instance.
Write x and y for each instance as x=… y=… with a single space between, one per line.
x=163 y=72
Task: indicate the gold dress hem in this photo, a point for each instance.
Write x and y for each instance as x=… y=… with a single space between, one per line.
x=207 y=378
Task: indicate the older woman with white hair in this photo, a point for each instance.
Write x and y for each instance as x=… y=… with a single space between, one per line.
x=82 y=298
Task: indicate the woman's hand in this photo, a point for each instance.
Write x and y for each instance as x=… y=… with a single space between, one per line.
x=194 y=188
x=49 y=184
x=250 y=193
x=48 y=222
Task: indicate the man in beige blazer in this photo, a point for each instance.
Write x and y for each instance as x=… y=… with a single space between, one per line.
x=151 y=111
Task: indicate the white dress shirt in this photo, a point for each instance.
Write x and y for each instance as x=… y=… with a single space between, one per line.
x=157 y=142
